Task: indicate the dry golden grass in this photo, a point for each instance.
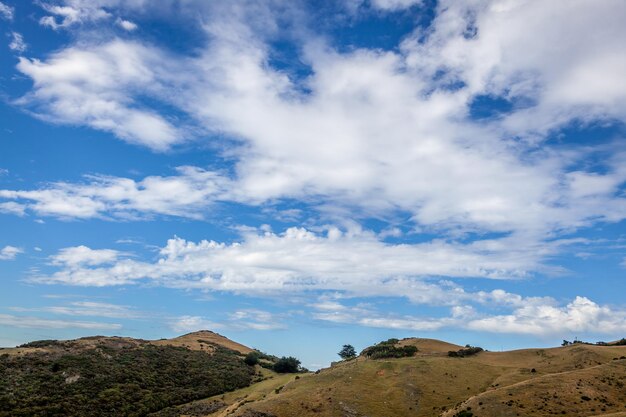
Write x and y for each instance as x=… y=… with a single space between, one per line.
x=492 y=384
x=202 y=340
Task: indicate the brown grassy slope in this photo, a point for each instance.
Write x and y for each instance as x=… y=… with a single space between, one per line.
x=76 y=345
x=202 y=340
x=584 y=392
x=432 y=384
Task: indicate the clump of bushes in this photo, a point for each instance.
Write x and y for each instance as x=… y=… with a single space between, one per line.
x=132 y=382
x=388 y=349
x=287 y=365
x=252 y=358
x=40 y=344
x=466 y=351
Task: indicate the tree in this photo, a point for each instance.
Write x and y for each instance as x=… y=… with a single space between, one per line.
x=347 y=352
x=252 y=358
x=287 y=365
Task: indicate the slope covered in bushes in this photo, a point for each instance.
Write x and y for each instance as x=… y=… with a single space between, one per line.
x=106 y=379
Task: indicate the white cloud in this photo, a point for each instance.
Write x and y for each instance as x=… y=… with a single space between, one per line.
x=95 y=87
x=6 y=12
x=187 y=195
x=580 y=315
x=84 y=256
x=11 y=207
x=256 y=319
x=375 y=135
x=39 y=323
x=245 y=319
x=534 y=50
x=9 y=253
x=533 y=318
x=394 y=4
x=185 y=324
x=87 y=308
x=17 y=42
x=126 y=24
x=64 y=16
x=299 y=260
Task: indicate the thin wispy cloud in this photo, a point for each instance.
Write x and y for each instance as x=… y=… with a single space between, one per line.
x=6 y=11
x=17 y=43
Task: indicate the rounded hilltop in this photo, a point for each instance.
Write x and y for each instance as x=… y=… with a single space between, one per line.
x=204 y=340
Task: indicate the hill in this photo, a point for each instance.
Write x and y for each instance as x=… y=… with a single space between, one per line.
x=117 y=376
x=203 y=340
x=203 y=374
x=577 y=380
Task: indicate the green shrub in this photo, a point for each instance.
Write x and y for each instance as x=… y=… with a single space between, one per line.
x=125 y=381
x=287 y=365
x=252 y=358
x=387 y=349
x=467 y=351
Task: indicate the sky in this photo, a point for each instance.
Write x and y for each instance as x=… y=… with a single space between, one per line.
x=299 y=175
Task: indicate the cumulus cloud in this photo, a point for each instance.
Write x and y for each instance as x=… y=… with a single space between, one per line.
x=298 y=259
x=580 y=315
x=366 y=133
x=370 y=132
x=530 y=51
x=17 y=42
x=534 y=317
x=9 y=253
x=39 y=323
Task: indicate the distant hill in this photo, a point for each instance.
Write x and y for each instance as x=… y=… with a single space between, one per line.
x=203 y=340
x=203 y=374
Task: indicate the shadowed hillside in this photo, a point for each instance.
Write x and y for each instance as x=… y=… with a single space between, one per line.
x=115 y=376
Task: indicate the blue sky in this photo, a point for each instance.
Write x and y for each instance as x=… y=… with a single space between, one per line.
x=300 y=175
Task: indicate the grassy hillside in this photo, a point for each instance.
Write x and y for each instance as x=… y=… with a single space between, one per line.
x=203 y=340
x=578 y=380
x=113 y=376
x=203 y=374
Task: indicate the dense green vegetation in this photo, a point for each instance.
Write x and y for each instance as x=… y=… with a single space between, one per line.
x=287 y=365
x=466 y=351
x=388 y=349
x=113 y=380
x=252 y=358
